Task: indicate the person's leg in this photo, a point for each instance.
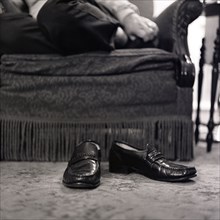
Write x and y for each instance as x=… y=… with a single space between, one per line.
x=8 y=7
x=20 y=33
x=77 y=26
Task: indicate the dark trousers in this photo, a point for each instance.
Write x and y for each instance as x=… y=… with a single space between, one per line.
x=20 y=34
x=77 y=25
x=62 y=26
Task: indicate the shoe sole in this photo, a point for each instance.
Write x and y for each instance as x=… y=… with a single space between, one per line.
x=172 y=179
x=81 y=185
x=132 y=170
x=180 y=179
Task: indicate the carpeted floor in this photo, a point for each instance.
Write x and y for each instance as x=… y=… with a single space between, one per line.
x=35 y=191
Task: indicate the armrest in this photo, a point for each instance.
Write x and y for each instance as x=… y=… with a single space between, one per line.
x=173 y=25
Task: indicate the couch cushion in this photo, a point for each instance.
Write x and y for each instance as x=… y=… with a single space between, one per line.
x=123 y=83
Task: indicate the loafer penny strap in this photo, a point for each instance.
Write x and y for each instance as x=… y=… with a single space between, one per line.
x=83 y=156
x=155 y=155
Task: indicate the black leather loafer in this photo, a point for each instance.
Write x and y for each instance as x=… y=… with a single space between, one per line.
x=124 y=158
x=83 y=170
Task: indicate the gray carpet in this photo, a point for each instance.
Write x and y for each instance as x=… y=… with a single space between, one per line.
x=35 y=191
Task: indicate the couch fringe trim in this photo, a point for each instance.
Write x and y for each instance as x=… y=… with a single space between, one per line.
x=25 y=140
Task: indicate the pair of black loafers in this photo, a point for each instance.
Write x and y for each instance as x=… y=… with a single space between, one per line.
x=83 y=170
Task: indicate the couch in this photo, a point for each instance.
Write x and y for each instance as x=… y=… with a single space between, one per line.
x=50 y=103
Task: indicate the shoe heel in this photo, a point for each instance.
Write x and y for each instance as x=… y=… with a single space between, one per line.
x=116 y=165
